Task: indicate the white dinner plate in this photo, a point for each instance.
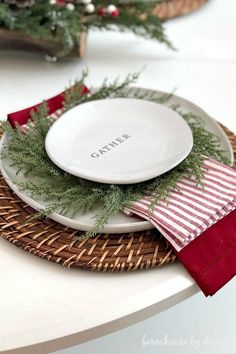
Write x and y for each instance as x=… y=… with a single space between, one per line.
x=119 y=140
x=118 y=223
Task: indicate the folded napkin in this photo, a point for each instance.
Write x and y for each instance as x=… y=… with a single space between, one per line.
x=200 y=224
x=54 y=104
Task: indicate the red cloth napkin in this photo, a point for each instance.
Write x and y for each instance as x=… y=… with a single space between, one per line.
x=200 y=224
x=54 y=104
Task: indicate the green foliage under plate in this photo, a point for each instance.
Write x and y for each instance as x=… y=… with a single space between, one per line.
x=68 y=194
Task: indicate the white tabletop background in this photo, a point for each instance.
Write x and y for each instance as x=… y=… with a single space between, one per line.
x=38 y=298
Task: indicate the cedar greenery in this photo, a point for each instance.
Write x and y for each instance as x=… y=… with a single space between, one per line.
x=69 y=194
x=45 y=21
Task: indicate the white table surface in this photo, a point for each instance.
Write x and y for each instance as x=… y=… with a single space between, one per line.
x=45 y=307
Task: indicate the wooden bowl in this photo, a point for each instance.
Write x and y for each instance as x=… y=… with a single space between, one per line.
x=21 y=41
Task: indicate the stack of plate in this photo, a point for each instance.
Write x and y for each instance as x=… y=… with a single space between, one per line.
x=118 y=141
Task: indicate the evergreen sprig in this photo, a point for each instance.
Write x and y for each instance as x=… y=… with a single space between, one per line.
x=53 y=22
x=67 y=194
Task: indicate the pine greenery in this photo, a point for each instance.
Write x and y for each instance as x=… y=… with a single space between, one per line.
x=54 y=22
x=69 y=194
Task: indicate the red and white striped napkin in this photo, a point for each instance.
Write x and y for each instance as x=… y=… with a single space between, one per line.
x=199 y=223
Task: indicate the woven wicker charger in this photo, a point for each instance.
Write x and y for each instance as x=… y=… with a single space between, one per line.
x=54 y=242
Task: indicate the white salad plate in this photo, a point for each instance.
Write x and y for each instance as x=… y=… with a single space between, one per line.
x=119 y=223
x=119 y=140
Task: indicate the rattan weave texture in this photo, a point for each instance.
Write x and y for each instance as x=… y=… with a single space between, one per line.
x=174 y=8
